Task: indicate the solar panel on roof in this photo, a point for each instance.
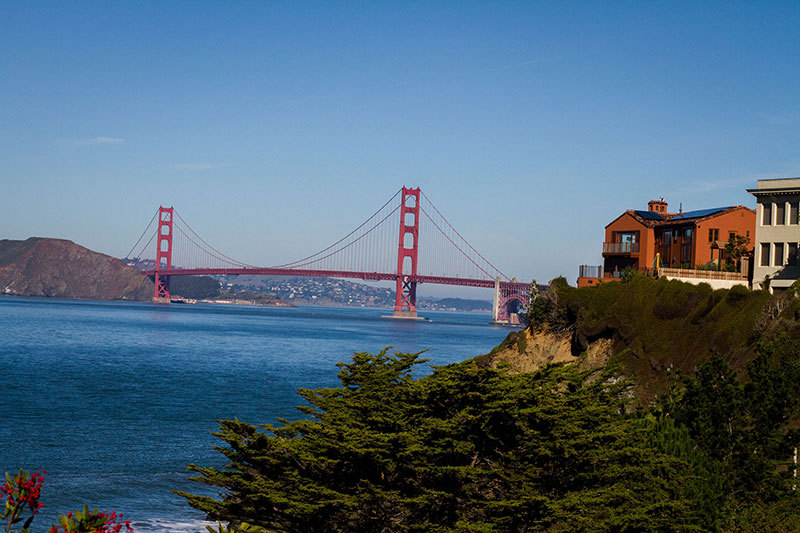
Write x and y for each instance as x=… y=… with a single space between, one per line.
x=699 y=213
x=649 y=215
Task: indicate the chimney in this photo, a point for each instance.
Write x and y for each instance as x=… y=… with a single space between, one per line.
x=657 y=206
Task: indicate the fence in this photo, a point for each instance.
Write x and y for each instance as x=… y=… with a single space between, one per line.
x=701 y=274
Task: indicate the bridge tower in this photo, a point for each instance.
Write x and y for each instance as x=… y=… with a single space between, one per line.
x=405 y=305
x=163 y=254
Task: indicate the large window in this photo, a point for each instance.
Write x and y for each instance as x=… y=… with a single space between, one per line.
x=764 y=254
x=793 y=213
x=627 y=236
x=767 y=218
x=792 y=257
x=687 y=235
x=713 y=234
x=780 y=213
x=778 y=254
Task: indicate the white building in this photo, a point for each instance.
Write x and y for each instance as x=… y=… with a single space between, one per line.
x=777 y=233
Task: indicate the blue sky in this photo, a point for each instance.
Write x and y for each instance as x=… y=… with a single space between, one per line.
x=276 y=127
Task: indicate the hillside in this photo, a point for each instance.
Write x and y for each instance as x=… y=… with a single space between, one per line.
x=654 y=328
x=59 y=268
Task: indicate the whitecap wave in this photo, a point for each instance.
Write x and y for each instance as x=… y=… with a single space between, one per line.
x=171 y=526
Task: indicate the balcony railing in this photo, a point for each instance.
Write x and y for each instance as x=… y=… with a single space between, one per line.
x=590 y=271
x=621 y=248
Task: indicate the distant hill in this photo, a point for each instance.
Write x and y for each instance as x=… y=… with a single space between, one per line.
x=59 y=268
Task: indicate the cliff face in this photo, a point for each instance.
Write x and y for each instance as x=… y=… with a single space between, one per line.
x=59 y=268
x=652 y=328
x=527 y=351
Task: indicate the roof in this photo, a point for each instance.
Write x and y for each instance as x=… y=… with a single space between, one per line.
x=649 y=215
x=652 y=219
x=699 y=213
x=768 y=192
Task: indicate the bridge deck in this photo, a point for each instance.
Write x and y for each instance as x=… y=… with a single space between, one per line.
x=367 y=276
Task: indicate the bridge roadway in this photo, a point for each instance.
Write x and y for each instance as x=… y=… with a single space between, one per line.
x=371 y=276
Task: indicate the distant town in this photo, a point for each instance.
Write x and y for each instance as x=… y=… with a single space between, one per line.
x=296 y=290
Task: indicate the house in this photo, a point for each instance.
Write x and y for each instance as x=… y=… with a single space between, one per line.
x=630 y=240
x=686 y=240
x=697 y=238
x=777 y=233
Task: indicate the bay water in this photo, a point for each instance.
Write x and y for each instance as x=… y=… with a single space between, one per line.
x=115 y=399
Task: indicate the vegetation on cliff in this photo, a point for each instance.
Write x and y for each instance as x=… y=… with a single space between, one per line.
x=478 y=447
x=659 y=327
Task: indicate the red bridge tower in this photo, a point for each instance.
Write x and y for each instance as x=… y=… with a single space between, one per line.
x=406 y=292
x=163 y=254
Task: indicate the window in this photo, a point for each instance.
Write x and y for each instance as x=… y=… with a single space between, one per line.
x=627 y=236
x=792 y=259
x=713 y=234
x=793 y=213
x=780 y=213
x=778 y=254
x=687 y=235
x=764 y=254
x=731 y=235
x=767 y=218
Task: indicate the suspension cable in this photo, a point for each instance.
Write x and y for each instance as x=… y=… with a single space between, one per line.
x=142 y=235
x=305 y=259
x=227 y=259
x=446 y=236
x=141 y=251
x=211 y=254
x=392 y=212
x=462 y=238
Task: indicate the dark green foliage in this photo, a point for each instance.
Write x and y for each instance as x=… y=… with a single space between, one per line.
x=659 y=324
x=738 y=438
x=545 y=309
x=194 y=286
x=537 y=307
x=522 y=342
x=464 y=449
x=474 y=448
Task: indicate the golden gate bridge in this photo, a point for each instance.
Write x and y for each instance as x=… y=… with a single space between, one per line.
x=426 y=249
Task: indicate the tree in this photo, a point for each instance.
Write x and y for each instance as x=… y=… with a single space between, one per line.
x=465 y=448
x=537 y=307
x=736 y=247
x=739 y=437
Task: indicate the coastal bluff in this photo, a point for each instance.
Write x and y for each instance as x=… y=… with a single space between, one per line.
x=654 y=329
x=58 y=268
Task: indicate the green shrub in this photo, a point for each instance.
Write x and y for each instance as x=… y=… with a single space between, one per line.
x=464 y=449
x=658 y=323
x=522 y=342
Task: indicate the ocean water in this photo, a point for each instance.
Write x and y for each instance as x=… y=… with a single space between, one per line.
x=115 y=399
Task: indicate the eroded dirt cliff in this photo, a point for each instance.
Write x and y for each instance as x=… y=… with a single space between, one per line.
x=525 y=351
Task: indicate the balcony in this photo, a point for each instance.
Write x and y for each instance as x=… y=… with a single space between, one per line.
x=621 y=248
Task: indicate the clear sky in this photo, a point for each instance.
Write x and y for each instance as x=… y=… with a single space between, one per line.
x=276 y=127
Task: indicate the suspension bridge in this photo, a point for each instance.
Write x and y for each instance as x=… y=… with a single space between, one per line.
x=426 y=249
